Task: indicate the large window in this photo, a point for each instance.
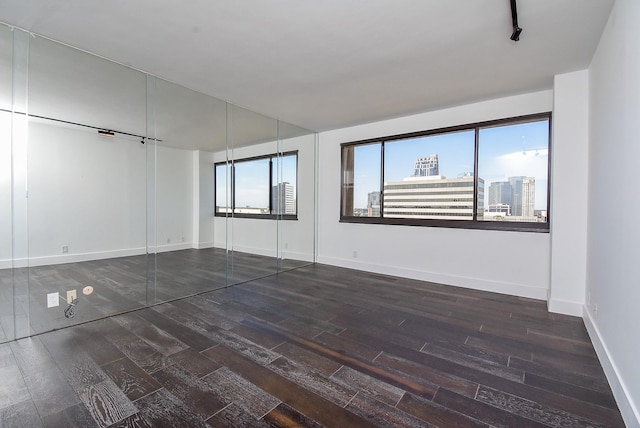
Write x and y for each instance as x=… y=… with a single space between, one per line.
x=260 y=187
x=491 y=175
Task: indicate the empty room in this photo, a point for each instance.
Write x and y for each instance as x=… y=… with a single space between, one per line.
x=333 y=213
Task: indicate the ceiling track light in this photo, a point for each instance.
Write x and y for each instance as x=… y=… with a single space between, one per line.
x=515 y=36
x=106 y=133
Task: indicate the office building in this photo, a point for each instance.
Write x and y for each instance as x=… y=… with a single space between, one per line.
x=432 y=197
x=283 y=199
x=426 y=166
x=523 y=196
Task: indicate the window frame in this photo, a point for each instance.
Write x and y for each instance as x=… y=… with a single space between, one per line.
x=232 y=191
x=541 y=227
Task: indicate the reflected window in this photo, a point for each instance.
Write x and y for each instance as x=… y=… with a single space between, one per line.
x=223 y=188
x=260 y=187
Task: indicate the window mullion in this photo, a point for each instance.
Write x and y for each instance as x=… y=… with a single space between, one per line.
x=475 y=172
x=382 y=179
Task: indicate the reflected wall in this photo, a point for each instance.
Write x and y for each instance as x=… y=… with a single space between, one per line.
x=108 y=189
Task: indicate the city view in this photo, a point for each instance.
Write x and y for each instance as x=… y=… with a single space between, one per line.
x=256 y=190
x=432 y=177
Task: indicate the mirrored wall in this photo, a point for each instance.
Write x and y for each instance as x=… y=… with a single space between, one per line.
x=120 y=190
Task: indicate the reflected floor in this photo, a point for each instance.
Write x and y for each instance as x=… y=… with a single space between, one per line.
x=122 y=284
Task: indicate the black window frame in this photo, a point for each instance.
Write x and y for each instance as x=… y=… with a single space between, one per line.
x=474 y=223
x=231 y=188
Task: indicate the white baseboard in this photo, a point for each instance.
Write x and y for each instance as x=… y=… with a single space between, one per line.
x=203 y=245
x=267 y=252
x=565 y=307
x=513 y=289
x=171 y=247
x=629 y=412
x=70 y=258
x=296 y=255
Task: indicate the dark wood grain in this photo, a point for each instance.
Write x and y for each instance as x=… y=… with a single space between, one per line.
x=314 y=346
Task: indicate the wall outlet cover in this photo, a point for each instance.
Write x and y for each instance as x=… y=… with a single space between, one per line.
x=53 y=300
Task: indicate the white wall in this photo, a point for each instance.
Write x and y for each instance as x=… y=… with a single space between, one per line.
x=174 y=198
x=507 y=262
x=206 y=203
x=88 y=193
x=613 y=226
x=288 y=239
x=569 y=176
x=6 y=237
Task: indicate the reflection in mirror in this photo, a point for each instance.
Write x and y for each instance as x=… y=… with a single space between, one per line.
x=297 y=238
x=87 y=213
x=6 y=231
x=251 y=233
x=188 y=128
x=139 y=190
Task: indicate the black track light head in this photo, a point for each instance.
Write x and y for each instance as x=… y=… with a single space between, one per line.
x=515 y=36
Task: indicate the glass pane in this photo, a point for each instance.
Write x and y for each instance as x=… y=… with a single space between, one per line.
x=513 y=161
x=223 y=196
x=430 y=177
x=87 y=190
x=361 y=180
x=284 y=177
x=188 y=127
x=251 y=183
x=296 y=238
x=252 y=235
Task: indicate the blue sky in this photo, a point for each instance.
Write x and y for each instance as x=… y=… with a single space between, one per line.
x=252 y=181
x=505 y=151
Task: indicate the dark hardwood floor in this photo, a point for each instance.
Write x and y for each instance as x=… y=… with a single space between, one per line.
x=314 y=346
x=124 y=283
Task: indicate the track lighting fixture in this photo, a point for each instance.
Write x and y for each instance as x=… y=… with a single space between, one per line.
x=515 y=36
x=106 y=133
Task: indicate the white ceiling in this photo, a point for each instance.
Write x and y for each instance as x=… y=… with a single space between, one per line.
x=327 y=64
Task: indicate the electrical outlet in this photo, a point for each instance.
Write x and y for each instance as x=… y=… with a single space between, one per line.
x=168 y=240
x=65 y=249
x=355 y=254
x=71 y=296
x=53 y=300
x=595 y=310
x=182 y=239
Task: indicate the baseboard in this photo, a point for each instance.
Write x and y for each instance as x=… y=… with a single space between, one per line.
x=565 y=307
x=513 y=289
x=629 y=412
x=70 y=258
x=172 y=247
x=296 y=255
x=203 y=245
x=267 y=252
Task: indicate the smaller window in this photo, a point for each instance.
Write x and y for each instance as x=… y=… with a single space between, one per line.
x=260 y=187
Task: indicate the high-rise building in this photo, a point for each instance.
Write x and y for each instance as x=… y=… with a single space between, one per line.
x=283 y=199
x=523 y=196
x=426 y=166
x=433 y=197
x=500 y=193
x=373 y=204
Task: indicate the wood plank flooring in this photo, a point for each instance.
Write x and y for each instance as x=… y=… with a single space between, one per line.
x=314 y=346
x=123 y=284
